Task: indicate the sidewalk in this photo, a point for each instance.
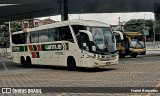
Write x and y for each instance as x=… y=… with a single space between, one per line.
x=153 y=49
x=150 y=51
x=8 y=50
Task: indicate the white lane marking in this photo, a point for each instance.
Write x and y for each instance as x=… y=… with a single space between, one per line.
x=62 y=94
x=5 y=67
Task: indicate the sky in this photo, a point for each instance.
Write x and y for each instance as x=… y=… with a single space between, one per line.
x=109 y=18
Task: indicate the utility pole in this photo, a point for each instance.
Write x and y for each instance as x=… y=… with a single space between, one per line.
x=157 y=19
x=154 y=34
x=145 y=20
x=145 y=27
x=63 y=4
x=119 y=18
x=10 y=33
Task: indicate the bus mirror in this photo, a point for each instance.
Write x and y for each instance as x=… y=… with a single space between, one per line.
x=119 y=33
x=88 y=33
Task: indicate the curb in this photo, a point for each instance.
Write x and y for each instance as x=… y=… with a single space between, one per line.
x=153 y=49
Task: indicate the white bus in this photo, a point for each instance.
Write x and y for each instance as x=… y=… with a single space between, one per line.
x=75 y=43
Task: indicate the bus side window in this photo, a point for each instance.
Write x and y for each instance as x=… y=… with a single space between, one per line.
x=43 y=36
x=53 y=35
x=19 y=38
x=23 y=39
x=65 y=33
x=34 y=37
x=76 y=28
x=15 y=38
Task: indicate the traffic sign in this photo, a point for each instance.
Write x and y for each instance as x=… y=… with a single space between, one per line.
x=145 y=32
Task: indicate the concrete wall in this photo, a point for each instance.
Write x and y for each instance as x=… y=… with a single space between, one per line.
x=8 y=50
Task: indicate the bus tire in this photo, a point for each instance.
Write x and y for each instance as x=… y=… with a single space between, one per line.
x=121 y=55
x=28 y=62
x=23 y=61
x=71 y=63
x=133 y=55
x=144 y=53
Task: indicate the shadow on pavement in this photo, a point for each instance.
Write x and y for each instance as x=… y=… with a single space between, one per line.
x=78 y=69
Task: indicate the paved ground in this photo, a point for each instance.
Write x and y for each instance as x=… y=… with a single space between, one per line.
x=131 y=72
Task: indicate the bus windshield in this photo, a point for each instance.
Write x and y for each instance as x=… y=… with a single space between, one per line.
x=103 y=39
x=137 y=42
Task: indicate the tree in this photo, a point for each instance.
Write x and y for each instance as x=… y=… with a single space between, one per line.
x=137 y=25
x=15 y=26
x=4 y=32
x=157 y=31
x=134 y=25
x=4 y=36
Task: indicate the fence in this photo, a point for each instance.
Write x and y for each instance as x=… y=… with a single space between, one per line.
x=149 y=45
x=153 y=45
x=5 y=52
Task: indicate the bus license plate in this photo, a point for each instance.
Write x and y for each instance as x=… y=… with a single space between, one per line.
x=108 y=63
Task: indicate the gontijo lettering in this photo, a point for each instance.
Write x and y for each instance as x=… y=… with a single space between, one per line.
x=50 y=47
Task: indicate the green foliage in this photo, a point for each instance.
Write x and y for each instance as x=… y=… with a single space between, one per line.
x=140 y=24
x=157 y=27
x=4 y=31
x=15 y=27
x=137 y=25
x=157 y=31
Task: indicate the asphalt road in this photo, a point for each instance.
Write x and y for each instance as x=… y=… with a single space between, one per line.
x=142 y=71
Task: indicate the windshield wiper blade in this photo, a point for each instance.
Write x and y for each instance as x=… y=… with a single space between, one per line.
x=139 y=43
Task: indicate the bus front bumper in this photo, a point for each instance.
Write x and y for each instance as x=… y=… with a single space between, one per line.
x=138 y=51
x=98 y=63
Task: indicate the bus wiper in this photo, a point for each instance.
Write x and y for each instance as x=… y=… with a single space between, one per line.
x=106 y=44
x=139 y=43
x=105 y=41
x=94 y=44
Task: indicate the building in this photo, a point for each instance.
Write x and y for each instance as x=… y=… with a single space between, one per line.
x=31 y=23
x=119 y=26
x=46 y=21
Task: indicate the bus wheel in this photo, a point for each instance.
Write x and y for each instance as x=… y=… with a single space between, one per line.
x=144 y=53
x=28 y=62
x=122 y=55
x=134 y=55
x=71 y=63
x=23 y=62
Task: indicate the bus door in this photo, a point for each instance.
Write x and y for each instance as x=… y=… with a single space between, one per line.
x=42 y=58
x=122 y=47
x=126 y=45
x=85 y=47
x=51 y=58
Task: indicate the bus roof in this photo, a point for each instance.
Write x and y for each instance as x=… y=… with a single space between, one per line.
x=65 y=23
x=132 y=33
